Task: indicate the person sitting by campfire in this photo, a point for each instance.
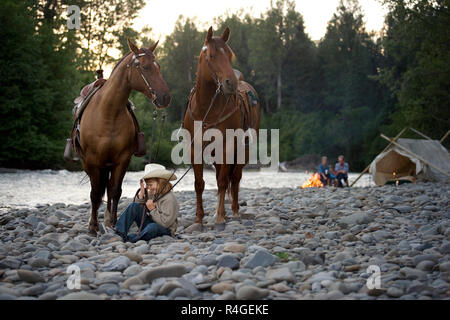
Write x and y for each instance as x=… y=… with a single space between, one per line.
x=326 y=176
x=341 y=171
x=154 y=217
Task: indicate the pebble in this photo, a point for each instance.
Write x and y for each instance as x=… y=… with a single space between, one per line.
x=261 y=258
x=221 y=287
x=117 y=264
x=247 y=292
x=280 y=274
x=290 y=243
x=29 y=276
x=228 y=261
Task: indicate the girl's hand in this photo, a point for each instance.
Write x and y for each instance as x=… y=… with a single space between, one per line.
x=150 y=205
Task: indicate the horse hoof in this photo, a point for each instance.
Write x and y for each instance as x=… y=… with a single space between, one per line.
x=236 y=218
x=219 y=226
x=92 y=233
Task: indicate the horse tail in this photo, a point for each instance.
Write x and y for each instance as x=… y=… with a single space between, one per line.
x=104 y=179
x=230 y=176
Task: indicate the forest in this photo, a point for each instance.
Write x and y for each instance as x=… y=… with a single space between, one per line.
x=328 y=97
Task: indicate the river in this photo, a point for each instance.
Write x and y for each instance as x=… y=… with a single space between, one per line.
x=29 y=188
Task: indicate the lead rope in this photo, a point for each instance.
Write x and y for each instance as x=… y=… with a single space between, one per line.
x=158 y=196
x=161 y=131
x=155 y=115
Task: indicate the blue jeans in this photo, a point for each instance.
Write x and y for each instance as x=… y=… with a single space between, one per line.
x=150 y=229
x=341 y=176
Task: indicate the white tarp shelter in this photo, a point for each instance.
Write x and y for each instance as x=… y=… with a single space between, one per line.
x=411 y=159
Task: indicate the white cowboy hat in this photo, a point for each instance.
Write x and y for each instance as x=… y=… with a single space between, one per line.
x=154 y=170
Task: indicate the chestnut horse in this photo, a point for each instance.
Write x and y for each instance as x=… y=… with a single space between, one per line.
x=215 y=72
x=107 y=132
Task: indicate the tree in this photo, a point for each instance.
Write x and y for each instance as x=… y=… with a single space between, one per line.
x=349 y=62
x=38 y=80
x=179 y=62
x=416 y=45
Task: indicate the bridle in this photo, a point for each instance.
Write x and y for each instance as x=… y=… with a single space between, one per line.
x=137 y=64
x=213 y=73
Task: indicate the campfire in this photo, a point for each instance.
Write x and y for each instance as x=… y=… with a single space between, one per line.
x=314 y=181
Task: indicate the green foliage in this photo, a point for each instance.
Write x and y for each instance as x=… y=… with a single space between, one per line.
x=37 y=79
x=283 y=256
x=417 y=69
x=329 y=97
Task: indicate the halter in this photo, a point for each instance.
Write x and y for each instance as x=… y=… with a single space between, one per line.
x=138 y=67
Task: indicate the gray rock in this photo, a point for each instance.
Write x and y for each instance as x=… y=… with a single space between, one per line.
x=367 y=238
x=280 y=274
x=39 y=262
x=132 y=270
x=261 y=258
x=35 y=290
x=32 y=220
x=147 y=276
x=48 y=296
x=29 y=276
x=425 y=257
x=426 y=265
x=247 y=292
x=410 y=273
x=117 y=264
x=52 y=220
x=108 y=288
x=10 y=263
x=321 y=276
x=179 y=292
x=357 y=218
x=445 y=266
x=394 y=292
x=74 y=245
x=208 y=260
x=228 y=261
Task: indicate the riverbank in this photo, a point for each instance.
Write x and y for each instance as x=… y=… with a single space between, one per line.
x=51 y=187
x=290 y=244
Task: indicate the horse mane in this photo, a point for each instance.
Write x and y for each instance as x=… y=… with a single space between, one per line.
x=119 y=62
x=146 y=51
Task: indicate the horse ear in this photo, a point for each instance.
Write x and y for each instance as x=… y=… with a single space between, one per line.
x=153 y=47
x=209 y=35
x=226 y=34
x=132 y=46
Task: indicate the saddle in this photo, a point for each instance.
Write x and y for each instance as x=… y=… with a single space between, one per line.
x=86 y=94
x=247 y=99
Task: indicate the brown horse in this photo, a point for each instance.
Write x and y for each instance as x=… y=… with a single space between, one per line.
x=215 y=71
x=107 y=132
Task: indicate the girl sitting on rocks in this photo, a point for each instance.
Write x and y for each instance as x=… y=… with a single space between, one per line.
x=154 y=219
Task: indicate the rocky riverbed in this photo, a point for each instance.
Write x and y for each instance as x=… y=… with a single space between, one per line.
x=289 y=244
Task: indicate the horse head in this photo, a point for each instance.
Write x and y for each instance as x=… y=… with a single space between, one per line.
x=145 y=75
x=216 y=56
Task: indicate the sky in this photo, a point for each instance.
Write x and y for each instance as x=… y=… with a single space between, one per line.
x=161 y=15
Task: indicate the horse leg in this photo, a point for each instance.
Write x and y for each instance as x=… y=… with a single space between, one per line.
x=115 y=188
x=235 y=180
x=222 y=186
x=199 y=187
x=98 y=184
